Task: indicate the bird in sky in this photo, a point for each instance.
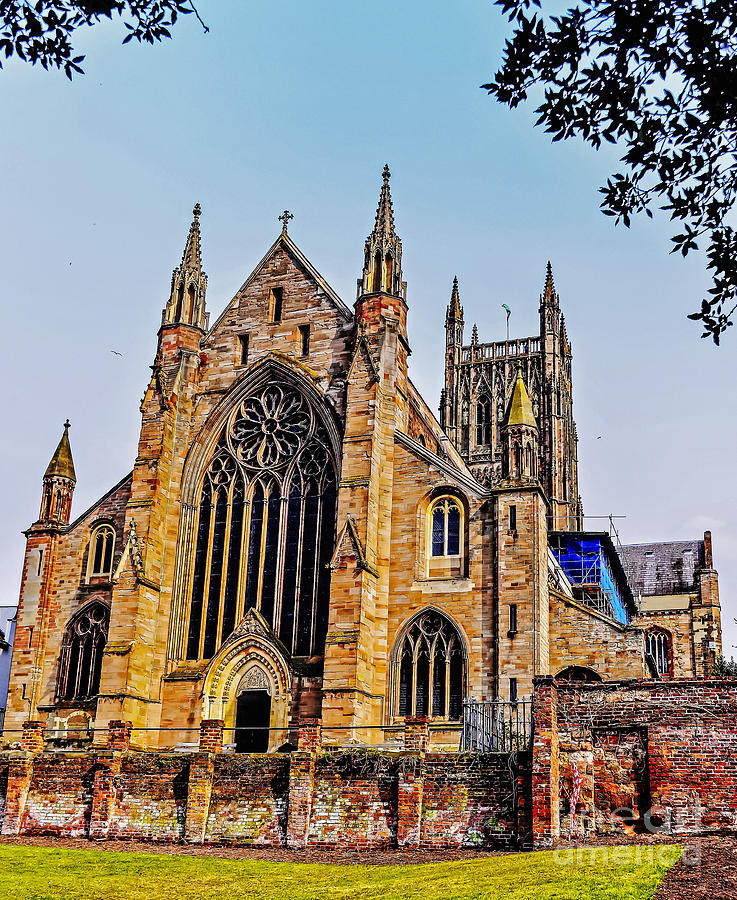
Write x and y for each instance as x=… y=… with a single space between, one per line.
x=116 y=353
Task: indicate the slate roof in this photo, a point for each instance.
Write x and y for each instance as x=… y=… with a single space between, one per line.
x=667 y=568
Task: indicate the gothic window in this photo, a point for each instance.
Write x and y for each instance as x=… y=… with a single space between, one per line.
x=445 y=525
x=658 y=646
x=483 y=421
x=265 y=528
x=80 y=662
x=429 y=666
x=102 y=545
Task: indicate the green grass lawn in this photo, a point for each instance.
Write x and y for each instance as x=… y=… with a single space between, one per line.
x=32 y=873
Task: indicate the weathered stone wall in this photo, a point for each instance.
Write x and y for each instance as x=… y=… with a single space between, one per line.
x=583 y=637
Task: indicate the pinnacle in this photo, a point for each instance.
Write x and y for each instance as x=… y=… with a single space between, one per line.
x=549 y=288
x=384 y=223
x=192 y=258
x=454 y=307
x=519 y=411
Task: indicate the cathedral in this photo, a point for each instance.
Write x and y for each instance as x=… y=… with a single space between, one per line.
x=300 y=536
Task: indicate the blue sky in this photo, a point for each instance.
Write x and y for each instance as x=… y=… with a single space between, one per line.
x=299 y=105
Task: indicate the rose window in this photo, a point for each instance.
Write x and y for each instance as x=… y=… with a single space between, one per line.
x=269 y=428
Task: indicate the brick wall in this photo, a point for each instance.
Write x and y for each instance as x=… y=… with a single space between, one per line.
x=666 y=750
x=249 y=799
x=353 y=799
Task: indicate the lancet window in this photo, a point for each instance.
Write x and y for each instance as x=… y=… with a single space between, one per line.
x=483 y=421
x=431 y=669
x=80 y=662
x=102 y=544
x=266 y=526
x=445 y=524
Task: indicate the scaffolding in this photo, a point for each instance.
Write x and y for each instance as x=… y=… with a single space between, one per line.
x=594 y=569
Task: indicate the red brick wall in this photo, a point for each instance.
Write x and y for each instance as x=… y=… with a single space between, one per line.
x=352 y=799
x=150 y=797
x=666 y=749
x=249 y=799
x=468 y=801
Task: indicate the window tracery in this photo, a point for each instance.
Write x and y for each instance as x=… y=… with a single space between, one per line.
x=445 y=517
x=658 y=645
x=431 y=669
x=102 y=545
x=266 y=523
x=80 y=662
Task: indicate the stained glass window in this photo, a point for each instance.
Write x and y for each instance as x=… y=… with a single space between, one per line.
x=266 y=526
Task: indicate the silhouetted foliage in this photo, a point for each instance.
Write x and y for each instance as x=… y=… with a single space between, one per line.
x=659 y=76
x=42 y=32
x=724 y=668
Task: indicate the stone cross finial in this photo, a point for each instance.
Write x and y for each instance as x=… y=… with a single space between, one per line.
x=284 y=219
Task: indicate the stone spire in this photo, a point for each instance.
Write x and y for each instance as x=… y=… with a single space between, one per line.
x=474 y=334
x=382 y=267
x=62 y=463
x=455 y=310
x=192 y=257
x=186 y=305
x=549 y=295
x=384 y=223
x=519 y=410
x=58 y=484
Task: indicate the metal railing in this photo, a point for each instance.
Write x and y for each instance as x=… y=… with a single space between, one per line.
x=496 y=726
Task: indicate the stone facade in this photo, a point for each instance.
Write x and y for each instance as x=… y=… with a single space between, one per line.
x=299 y=538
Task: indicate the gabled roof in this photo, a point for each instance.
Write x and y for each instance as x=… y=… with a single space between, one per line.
x=286 y=243
x=663 y=568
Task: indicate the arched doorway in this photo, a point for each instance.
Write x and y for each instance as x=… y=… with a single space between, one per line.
x=248 y=685
x=252 y=718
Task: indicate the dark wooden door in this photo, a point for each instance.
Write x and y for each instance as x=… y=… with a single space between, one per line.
x=252 y=715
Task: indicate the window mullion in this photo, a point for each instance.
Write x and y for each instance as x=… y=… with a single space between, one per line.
x=208 y=570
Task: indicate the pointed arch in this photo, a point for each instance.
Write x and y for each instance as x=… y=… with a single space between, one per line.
x=258 y=527
x=80 y=660
x=429 y=666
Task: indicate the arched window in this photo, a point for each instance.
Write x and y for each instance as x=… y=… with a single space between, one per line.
x=102 y=546
x=80 y=662
x=483 y=421
x=445 y=525
x=429 y=669
x=388 y=264
x=658 y=645
x=266 y=526
x=377 y=271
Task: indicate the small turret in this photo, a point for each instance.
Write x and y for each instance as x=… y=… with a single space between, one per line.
x=520 y=434
x=58 y=484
